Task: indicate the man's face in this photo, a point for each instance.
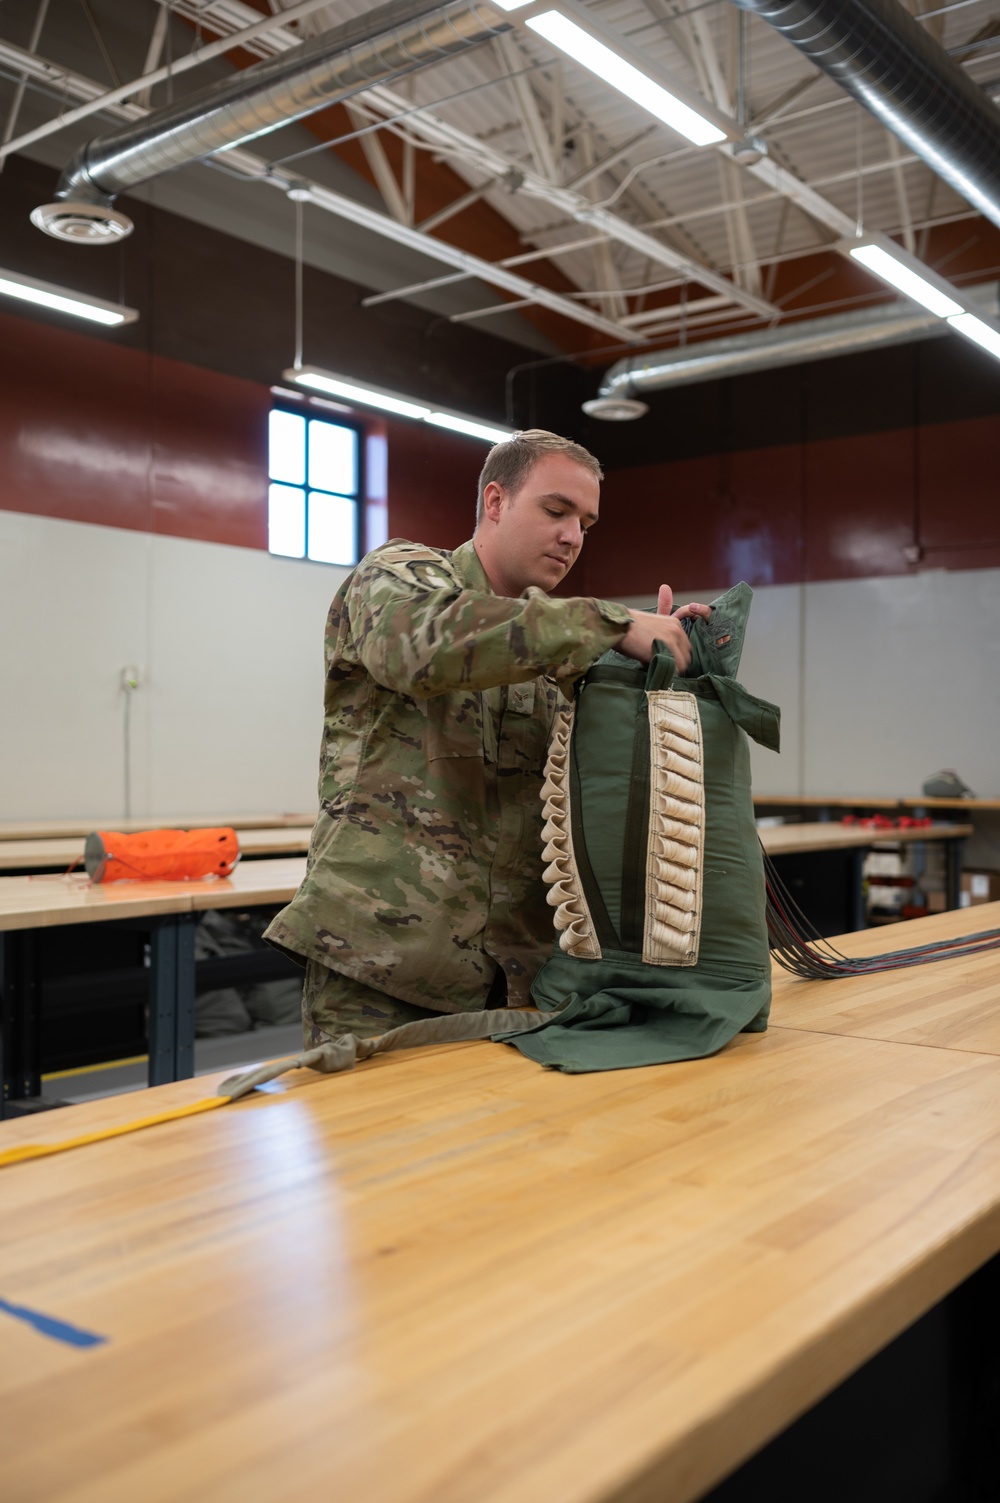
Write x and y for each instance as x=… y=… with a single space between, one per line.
x=540 y=530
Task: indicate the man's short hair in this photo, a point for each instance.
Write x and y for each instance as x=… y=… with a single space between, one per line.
x=509 y=462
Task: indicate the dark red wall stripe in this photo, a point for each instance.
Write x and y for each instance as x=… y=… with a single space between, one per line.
x=94 y=432
x=832 y=509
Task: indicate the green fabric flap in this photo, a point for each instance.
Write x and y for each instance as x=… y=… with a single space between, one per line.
x=717 y=644
x=758 y=717
x=613 y=1019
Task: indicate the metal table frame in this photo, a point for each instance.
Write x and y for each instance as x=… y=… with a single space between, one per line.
x=170 y=1026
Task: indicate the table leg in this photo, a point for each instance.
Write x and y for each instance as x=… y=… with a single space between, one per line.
x=953 y=872
x=171 y=999
x=859 y=916
x=20 y=1017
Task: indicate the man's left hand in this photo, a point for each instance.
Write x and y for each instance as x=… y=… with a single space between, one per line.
x=665 y=601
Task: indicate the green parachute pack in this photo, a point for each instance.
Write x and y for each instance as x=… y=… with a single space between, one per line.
x=655 y=869
x=664 y=900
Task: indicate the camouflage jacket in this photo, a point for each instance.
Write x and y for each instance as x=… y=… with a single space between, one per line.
x=424 y=870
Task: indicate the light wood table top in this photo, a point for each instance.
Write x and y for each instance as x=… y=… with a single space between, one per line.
x=785 y=840
x=34 y=855
x=41 y=902
x=810 y=801
x=61 y=829
x=952 y=1004
x=454 y=1276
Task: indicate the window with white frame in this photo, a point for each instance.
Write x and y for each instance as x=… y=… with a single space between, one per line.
x=314 y=497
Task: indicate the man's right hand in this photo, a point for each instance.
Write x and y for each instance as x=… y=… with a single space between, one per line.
x=663 y=627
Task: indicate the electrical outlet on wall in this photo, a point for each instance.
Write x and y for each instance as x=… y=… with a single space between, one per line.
x=132 y=678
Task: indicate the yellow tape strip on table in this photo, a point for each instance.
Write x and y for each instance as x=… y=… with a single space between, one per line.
x=26 y=1151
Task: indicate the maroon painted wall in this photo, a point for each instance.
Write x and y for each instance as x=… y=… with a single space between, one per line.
x=835 y=508
x=432 y=484
x=94 y=432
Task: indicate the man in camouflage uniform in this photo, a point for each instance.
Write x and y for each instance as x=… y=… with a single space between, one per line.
x=423 y=891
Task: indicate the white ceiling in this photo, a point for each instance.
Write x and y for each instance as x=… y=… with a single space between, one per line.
x=696 y=201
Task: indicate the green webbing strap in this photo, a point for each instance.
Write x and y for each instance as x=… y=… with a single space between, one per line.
x=633 y=917
x=343 y=1053
x=603 y=927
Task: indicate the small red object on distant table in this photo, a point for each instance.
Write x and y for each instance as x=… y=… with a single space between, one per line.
x=886 y=822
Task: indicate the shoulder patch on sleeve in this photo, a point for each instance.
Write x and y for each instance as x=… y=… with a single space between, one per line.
x=415 y=563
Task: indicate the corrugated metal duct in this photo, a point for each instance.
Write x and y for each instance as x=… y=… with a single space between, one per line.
x=813 y=339
x=876 y=51
x=382 y=45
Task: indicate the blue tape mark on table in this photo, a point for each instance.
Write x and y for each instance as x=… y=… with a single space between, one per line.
x=48 y=1325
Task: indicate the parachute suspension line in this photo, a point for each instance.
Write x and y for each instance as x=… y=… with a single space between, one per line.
x=798 y=946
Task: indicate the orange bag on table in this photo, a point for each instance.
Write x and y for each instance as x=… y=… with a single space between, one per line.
x=160 y=855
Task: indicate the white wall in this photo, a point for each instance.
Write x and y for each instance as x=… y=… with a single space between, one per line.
x=230 y=641
x=881 y=682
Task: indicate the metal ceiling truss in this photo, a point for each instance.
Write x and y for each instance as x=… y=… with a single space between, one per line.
x=542 y=118
x=469 y=151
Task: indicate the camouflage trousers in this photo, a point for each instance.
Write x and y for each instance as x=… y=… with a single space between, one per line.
x=333 y=1004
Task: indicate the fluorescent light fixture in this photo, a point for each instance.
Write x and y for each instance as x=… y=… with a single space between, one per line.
x=623 y=76
x=63 y=300
x=469 y=426
x=980 y=333
x=893 y=270
x=370 y=396
x=388 y=401
x=509 y=4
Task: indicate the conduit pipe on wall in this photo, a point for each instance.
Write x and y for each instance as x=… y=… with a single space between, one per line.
x=382 y=45
x=883 y=57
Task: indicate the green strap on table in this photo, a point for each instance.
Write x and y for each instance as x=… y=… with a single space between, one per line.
x=343 y=1053
x=338 y=1055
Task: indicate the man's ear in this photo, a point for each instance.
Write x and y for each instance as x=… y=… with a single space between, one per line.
x=493 y=499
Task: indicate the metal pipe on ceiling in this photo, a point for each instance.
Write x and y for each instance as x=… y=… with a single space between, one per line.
x=879 y=54
x=382 y=45
x=792 y=344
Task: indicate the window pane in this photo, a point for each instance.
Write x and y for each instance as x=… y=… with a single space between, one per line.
x=286 y=521
x=332 y=529
x=333 y=458
x=287 y=448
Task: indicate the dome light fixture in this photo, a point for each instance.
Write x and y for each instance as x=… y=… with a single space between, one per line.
x=82 y=223
x=616 y=409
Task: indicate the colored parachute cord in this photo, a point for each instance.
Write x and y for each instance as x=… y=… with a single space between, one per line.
x=798 y=946
x=24 y=1151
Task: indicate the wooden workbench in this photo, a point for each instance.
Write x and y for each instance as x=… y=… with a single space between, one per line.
x=34 y=855
x=825 y=837
x=882 y=804
x=454 y=1276
x=953 y=1004
x=65 y=851
x=821 y=835
x=68 y=829
x=32 y=903
x=166 y=910
x=42 y=902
